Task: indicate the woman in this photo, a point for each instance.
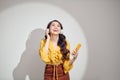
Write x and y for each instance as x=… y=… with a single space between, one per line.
x=55 y=52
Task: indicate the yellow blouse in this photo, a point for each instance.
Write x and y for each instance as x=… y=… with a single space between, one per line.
x=54 y=56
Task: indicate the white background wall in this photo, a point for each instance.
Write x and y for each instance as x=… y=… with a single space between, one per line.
x=22 y=28
x=100 y=21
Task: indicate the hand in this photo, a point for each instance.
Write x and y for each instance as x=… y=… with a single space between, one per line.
x=74 y=54
x=47 y=33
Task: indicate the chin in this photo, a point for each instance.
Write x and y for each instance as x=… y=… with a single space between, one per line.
x=56 y=33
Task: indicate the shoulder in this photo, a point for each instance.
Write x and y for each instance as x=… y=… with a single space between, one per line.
x=42 y=41
x=67 y=41
x=67 y=44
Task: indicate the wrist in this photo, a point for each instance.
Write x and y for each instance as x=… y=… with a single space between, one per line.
x=48 y=39
x=74 y=58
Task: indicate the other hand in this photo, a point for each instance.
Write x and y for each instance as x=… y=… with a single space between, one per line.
x=47 y=33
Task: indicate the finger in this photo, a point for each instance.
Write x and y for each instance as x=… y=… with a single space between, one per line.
x=46 y=31
x=76 y=55
x=73 y=52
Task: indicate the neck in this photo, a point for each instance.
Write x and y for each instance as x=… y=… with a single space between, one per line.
x=54 y=38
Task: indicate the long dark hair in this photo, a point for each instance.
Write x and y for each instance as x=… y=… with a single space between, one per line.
x=61 y=41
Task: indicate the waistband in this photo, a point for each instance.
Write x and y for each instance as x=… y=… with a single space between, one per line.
x=55 y=64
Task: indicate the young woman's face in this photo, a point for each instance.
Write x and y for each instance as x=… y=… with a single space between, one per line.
x=55 y=28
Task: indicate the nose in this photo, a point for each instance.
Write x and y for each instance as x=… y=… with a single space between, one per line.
x=55 y=27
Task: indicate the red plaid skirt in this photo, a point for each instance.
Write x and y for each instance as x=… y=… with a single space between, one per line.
x=54 y=72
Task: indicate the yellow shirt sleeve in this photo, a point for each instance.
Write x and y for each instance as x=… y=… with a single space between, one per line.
x=42 y=52
x=66 y=63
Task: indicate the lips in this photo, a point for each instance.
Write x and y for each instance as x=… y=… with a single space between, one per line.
x=55 y=30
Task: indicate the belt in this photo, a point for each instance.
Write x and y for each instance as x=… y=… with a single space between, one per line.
x=55 y=71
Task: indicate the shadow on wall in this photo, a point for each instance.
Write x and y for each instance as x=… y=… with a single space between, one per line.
x=30 y=64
